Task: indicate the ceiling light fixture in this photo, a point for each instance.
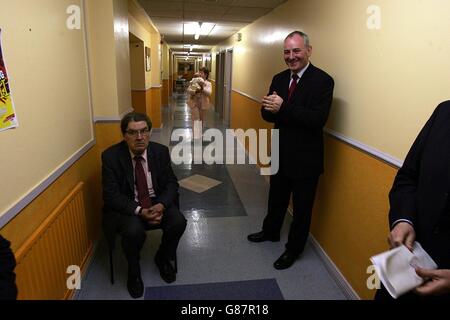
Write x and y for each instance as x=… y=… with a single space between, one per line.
x=199 y=30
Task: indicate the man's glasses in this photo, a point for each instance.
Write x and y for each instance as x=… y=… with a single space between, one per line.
x=135 y=133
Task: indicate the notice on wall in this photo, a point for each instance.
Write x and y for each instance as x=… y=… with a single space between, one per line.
x=8 y=117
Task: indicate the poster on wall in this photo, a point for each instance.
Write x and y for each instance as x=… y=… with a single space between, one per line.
x=8 y=117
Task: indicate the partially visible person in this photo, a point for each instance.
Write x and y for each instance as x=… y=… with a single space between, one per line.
x=205 y=94
x=194 y=102
x=199 y=91
x=140 y=191
x=420 y=205
x=8 y=288
x=298 y=103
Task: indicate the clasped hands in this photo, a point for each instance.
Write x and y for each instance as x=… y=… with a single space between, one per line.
x=436 y=281
x=272 y=103
x=154 y=214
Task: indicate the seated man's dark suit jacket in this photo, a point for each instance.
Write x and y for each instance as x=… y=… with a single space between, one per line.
x=420 y=192
x=8 y=289
x=300 y=121
x=118 y=182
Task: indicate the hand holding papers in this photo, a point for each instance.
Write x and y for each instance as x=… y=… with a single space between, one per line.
x=396 y=268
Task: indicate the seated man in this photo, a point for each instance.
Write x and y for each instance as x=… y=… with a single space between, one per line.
x=140 y=191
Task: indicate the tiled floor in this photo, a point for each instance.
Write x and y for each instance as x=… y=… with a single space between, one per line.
x=214 y=248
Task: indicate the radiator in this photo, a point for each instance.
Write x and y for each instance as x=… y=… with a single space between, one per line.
x=59 y=242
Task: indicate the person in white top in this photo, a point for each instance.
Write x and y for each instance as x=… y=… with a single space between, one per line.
x=199 y=93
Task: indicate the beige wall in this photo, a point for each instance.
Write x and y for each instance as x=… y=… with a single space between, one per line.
x=145 y=31
x=121 y=37
x=155 y=47
x=139 y=31
x=99 y=16
x=109 y=56
x=49 y=86
x=382 y=76
x=137 y=65
x=165 y=61
x=212 y=73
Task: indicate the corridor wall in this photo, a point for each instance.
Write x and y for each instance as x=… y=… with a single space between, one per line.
x=48 y=77
x=388 y=63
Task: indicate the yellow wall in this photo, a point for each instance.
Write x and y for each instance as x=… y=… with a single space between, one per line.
x=139 y=100
x=109 y=56
x=137 y=65
x=99 y=16
x=147 y=97
x=381 y=75
x=213 y=93
x=165 y=61
x=139 y=31
x=212 y=72
x=165 y=93
x=350 y=213
x=121 y=37
x=142 y=27
x=155 y=47
x=154 y=106
x=388 y=81
x=86 y=169
x=50 y=91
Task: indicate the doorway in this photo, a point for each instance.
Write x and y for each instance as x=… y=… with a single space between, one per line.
x=224 y=64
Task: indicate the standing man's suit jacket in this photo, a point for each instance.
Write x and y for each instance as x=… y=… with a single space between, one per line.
x=118 y=181
x=301 y=119
x=420 y=192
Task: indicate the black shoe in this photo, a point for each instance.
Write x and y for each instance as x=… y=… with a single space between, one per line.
x=285 y=261
x=261 y=236
x=135 y=286
x=166 y=270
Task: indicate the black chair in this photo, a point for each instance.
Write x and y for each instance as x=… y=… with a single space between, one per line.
x=111 y=251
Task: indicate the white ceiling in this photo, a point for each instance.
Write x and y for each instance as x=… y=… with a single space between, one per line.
x=227 y=17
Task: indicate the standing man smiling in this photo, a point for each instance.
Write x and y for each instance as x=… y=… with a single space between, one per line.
x=298 y=103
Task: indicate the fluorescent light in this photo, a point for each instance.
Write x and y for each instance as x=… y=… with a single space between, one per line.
x=197 y=36
x=191 y=28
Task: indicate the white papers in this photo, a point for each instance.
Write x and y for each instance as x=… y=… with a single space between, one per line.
x=395 y=268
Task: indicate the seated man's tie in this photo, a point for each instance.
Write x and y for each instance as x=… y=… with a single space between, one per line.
x=141 y=184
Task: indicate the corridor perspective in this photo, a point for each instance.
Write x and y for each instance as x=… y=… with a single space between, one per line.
x=214 y=251
x=341 y=99
x=215 y=260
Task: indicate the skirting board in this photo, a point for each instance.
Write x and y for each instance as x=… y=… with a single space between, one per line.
x=334 y=271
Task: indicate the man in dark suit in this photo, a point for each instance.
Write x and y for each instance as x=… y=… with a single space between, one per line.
x=420 y=207
x=298 y=102
x=140 y=191
x=8 y=288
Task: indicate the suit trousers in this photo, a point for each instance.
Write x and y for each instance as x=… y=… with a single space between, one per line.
x=303 y=191
x=133 y=232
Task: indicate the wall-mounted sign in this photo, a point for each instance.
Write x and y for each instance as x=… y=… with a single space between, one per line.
x=8 y=117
